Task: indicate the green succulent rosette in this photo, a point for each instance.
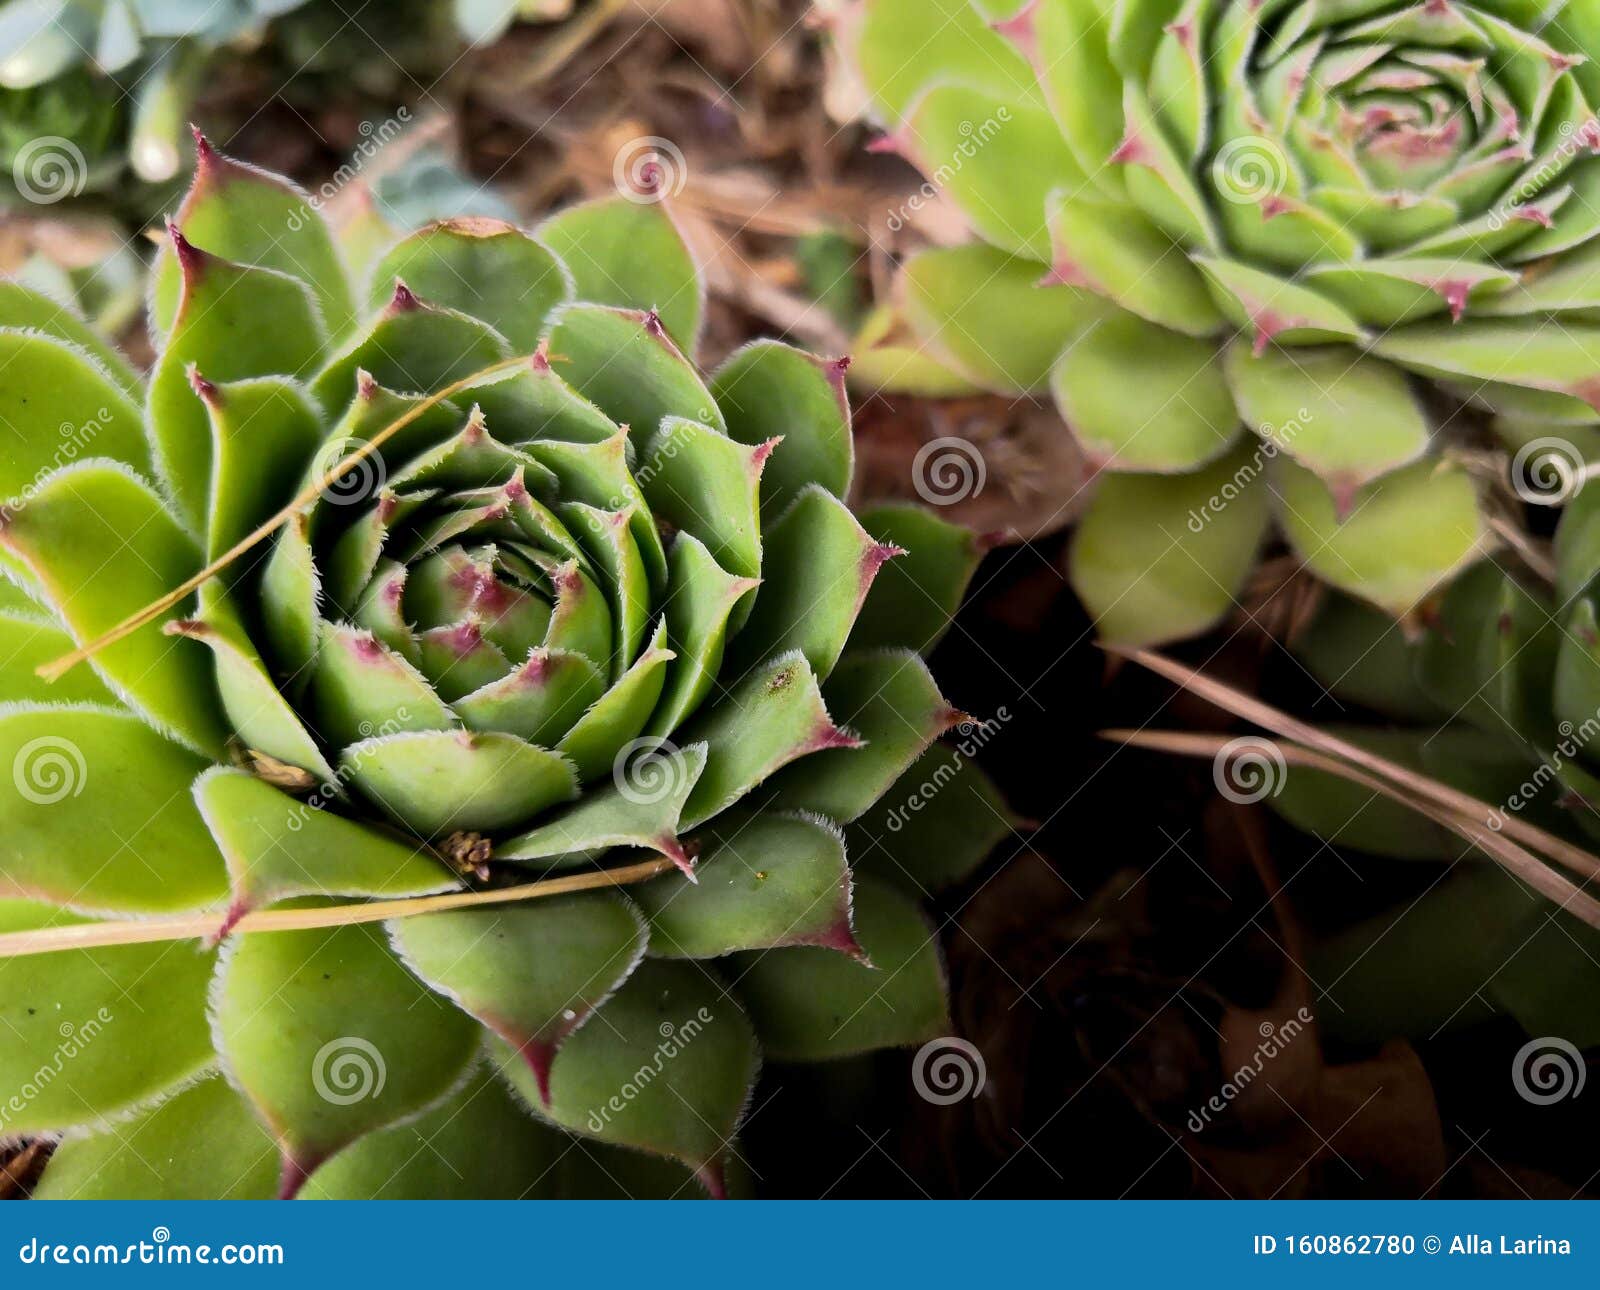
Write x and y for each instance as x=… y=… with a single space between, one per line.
x=1264 y=255
x=537 y=604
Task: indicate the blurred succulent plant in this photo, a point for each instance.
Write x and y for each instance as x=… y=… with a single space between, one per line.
x=113 y=77
x=1220 y=232
x=1498 y=698
x=493 y=633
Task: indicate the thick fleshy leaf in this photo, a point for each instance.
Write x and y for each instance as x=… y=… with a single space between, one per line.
x=361 y=689
x=96 y=544
x=111 y=1029
x=630 y=254
x=532 y=973
x=817 y=568
x=771 y=718
x=478 y=1145
x=243 y=214
x=277 y=847
x=814 y=1005
x=202 y=1144
x=1401 y=537
x=413 y=346
x=889 y=701
x=764 y=881
x=1158 y=559
x=1491 y=653
x=217 y=331
x=620 y=715
x=1140 y=398
x=702 y=482
x=484 y=269
x=951 y=39
x=263 y=435
x=1116 y=252
x=934 y=826
x=1011 y=158
x=59 y=404
x=331 y=1038
x=1307 y=401
x=914 y=598
x=262 y=720
x=28 y=641
x=439 y=782
x=988 y=312
x=640 y=808
x=97 y=814
x=626 y=364
x=28 y=310
x=1274 y=310
x=701 y=598
x=677 y=1021
x=770 y=391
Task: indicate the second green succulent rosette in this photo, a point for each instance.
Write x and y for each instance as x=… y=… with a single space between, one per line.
x=1276 y=262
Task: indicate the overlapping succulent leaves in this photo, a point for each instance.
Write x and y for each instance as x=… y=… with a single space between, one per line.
x=1499 y=698
x=85 y=70
x=1314 y=228
x=438 y=675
